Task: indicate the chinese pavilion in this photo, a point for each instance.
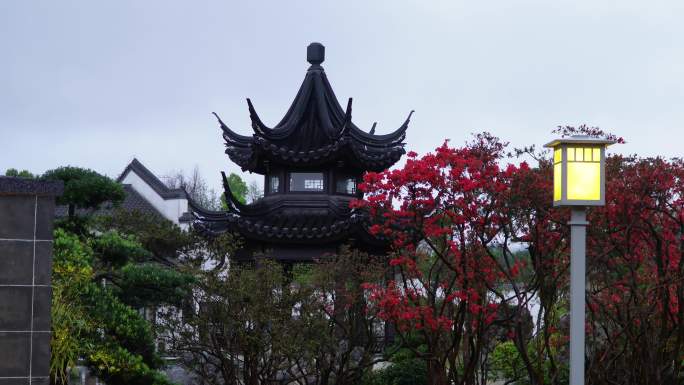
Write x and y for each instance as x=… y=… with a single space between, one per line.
x=311 y=161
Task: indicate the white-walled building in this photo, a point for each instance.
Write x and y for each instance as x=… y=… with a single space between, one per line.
x=171 y=204
x=146 y=193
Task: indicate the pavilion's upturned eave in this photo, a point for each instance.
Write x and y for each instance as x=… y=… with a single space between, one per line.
x=233 y=137
x=335 y=108
x=204 y=214
x=395 y=137
x=259 y=230
x=378 y=161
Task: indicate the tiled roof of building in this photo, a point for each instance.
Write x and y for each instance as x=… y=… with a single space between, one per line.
x=132 y=202
x=157 y=185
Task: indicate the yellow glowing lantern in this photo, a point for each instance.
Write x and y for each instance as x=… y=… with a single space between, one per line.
x=579 y=171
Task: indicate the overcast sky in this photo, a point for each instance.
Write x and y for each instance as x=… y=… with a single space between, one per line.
x=96 y=83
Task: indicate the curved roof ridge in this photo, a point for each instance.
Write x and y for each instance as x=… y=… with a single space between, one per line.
x=313 y=111
x=395 y=136
x=148 y=177
x=232 y=136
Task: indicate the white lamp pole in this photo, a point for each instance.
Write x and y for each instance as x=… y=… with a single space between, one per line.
x=578 y=182
x=578 y=234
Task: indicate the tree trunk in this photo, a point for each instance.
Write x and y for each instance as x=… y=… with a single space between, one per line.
x=251 y=371
x=436 y=373
x=325 y=377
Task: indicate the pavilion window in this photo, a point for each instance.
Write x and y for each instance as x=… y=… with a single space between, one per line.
x=307 y=182
x=274 y=184
x=346 y=185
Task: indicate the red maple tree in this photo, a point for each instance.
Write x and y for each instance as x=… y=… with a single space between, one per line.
x=458 y=222
x=636 y=274
x=444 y=213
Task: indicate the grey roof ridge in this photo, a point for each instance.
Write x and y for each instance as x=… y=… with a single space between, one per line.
x=148 y=177
x=133 y=191
x=132 y=196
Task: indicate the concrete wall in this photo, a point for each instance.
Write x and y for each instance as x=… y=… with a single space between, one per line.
x=26 y=213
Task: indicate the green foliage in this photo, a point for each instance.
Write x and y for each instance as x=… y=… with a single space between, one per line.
x=303 y=273
x=72 y=258
x=404 y=369
x=71 y=321
x=408 y=372
x=123 y=325
x=105 y=269
x=116 y=365
x=258 y=321
x=161 y=237
x=144 y=247
x=91 y=321
x=244 y=314
x=19 y=174
x=115 y=250
x=149 y=284
x=506 y=364
x=238 y=187
x=84 y=188
x=77 y=224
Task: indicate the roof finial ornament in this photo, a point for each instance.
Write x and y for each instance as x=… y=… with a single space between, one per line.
x=315 y=54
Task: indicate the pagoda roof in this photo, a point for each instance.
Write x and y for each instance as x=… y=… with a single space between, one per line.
x=316 y=130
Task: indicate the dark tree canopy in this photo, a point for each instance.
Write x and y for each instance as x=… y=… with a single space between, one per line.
x=20 y=174
x=85 y=188
x=160 y=237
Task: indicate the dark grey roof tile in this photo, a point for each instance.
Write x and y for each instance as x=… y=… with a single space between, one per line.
x=157 y=185
x=133 y=201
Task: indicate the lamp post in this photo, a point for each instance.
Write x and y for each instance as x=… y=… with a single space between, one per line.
x=578 y=182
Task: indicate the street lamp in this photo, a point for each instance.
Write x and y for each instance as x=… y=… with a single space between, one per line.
x=578 y=181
